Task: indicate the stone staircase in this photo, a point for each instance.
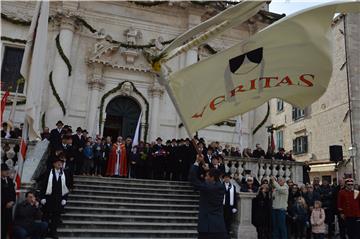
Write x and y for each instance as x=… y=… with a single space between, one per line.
x=107 y=208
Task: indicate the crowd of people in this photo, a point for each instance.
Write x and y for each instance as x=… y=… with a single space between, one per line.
x=280 y=210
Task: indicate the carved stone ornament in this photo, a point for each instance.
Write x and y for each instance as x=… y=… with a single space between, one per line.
x=132 y=35
x=130 y=55
x=126 y=89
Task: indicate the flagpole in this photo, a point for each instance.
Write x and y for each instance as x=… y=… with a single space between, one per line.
x=13 y=106
x=163 y=79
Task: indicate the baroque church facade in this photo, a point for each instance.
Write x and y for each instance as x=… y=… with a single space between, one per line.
x=98 y=74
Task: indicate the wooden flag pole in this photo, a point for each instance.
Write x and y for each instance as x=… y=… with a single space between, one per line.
x=163 y=73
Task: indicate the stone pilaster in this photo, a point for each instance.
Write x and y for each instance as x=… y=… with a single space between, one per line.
x=155 y=92
x=67 y=26
x=96 y=84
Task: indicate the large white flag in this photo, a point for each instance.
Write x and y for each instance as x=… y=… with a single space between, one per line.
x=290 y=59
x=136 y=138
x=33 y=67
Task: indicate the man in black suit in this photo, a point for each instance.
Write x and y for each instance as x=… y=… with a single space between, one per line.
x=78 y=141
x=211 y=223
x=159 y=155
x=8 y=198
x=53 y=194
x=56 y=135
x=230 y=202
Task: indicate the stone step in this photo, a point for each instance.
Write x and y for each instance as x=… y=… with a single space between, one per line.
x=134 y=180
x=127 y=188
x=123 y=233
x=127 y=225
x=77 y=203
x=120 y=182
x=128 y=218
x=124 y=211
x=80 y=237
x=102 y=198
x=134 y=194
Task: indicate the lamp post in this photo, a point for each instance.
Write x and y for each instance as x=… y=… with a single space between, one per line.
x=352 y=154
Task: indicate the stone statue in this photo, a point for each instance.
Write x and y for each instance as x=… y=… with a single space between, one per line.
x=132 y=35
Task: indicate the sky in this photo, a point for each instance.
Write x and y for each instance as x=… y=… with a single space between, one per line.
x=291 y=6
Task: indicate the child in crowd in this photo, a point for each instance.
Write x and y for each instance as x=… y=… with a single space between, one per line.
x=300 y=217
x=318 y=221
x=88 y=159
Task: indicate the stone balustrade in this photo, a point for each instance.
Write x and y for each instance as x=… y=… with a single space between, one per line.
x=264 y=168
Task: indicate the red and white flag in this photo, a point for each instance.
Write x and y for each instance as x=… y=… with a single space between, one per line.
x=3 y=104
x=21 y=159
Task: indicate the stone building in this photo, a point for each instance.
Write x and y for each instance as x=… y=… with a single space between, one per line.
x=99 y=78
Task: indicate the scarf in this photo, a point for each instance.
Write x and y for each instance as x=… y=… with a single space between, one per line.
x=64 y=189
x=231 y=191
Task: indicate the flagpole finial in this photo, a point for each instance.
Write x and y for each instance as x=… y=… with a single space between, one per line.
x=156 y=66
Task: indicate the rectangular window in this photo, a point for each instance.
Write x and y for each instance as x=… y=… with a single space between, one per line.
x=279 y=139
x=300 y=145
x=280 y=105
x=10 y=69
x=297 y=113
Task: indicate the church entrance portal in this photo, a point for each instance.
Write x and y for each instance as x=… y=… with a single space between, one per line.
x=122 y=114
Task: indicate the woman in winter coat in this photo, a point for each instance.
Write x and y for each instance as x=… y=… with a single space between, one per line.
x=261 y=212
x=318 y=221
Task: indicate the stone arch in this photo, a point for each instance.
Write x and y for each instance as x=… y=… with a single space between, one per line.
x=126 y=88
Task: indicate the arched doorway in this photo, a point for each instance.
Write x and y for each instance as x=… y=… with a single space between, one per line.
x=122 y=114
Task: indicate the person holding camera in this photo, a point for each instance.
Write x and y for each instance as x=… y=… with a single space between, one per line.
x=280 y=198
x=27 y=221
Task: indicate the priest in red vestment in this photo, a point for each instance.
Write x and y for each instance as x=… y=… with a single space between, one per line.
x=117 y=163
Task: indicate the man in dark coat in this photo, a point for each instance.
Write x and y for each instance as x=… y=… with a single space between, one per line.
x=79 y=144
x=159 y=155
x=258 y=152
x=211 y=223
x=27 y=222
x=53 y=194
x=8 y=198
x=56 y=135
x=230 y=202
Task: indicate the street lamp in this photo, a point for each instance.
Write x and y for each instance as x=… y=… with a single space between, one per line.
x=352 y=154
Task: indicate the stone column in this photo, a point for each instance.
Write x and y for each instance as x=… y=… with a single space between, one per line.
x=96 y=85
x=155 y=93
x=60 y=74
x=245 y=229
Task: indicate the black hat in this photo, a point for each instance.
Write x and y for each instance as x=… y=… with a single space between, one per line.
x=78 y=129
x=173 y=140
x=59 y=122
x=57 y=158
x=4 y=167
x=159 y=139
x=167 y=141
x=227 y=175
x=84 y=131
